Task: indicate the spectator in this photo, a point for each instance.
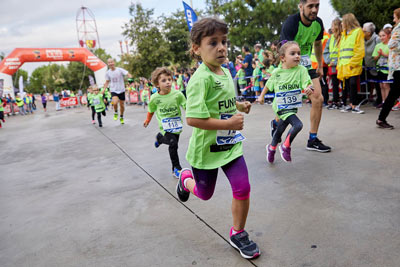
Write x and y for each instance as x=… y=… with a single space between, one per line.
x=11 y=102
x=351 y=54
x=248 y=58
x=380 y=55
x=258 y=52
x=371 y=40
x=331 y=58
x=388 y=26
x=20 y=104
x=394 y=72
x=56 y=98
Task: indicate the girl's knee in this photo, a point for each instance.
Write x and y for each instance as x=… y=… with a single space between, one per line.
x=242 y=193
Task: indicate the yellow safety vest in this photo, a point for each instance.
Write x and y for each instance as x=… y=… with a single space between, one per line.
x=346 y=50
x=19 y=101
x=333 y=50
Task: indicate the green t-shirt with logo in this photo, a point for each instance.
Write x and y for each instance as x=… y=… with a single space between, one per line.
x=168 y=111
x=382 y=61
x=90 y=98
x=256 y=72
x=210 y=96
x=284 y=80
x=180 y=82
x=293 y=29
x=98 y=102
x=144 y=95
x=241 y=74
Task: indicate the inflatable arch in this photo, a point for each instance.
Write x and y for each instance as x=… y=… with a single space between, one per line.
x=10 y=64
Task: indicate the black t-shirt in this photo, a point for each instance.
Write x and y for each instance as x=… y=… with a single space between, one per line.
x=293 y=29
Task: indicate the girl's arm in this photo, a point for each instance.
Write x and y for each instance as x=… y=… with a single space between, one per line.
x=262 y=95
x=233 y=123
x=148 y=119
x=243 y=106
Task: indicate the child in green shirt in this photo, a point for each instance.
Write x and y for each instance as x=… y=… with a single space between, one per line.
x=212 y=111
x=98 y=103
x=167 y=103
x=287 y=82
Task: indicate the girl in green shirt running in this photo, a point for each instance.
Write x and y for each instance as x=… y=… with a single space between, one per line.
x=211 y=110
x=287 y=81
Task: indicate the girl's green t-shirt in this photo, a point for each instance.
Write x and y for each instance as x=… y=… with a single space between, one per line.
x=256 y=72
x=241 y=75
x=168 y=111
x=210 y=96
x=285 y=80
x=382 y=61
x=98 y=102
x=90 y=98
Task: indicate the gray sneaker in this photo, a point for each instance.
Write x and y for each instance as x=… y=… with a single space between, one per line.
x=247 y=248
x=346 y=109
x=357 y=110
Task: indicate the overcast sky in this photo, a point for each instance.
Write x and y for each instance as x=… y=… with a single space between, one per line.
x=52 y=23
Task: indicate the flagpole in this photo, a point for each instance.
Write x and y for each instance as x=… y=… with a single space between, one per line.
x=191 y=3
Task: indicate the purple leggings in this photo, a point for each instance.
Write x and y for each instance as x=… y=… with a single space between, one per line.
x=237 y=174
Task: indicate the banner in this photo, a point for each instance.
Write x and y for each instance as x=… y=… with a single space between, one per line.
x=191 y=16
x=68 y=102
x=134 y=97
x=91 y=80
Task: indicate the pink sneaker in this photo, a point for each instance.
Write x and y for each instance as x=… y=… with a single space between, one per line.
x=270 y=154
x=285 y=153
x=93 y=122
x=182 y=192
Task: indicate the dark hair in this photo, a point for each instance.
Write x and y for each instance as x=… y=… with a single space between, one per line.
x=203 y=28
x=303 y=1
x=155 y=75
x=267 y=63
x=246 y=48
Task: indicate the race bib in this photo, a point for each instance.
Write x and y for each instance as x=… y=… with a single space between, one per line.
x=289 y=99
x=96 y=101
x=305 y=61
x=382 y=61
x=172 y=125
x=228 y=137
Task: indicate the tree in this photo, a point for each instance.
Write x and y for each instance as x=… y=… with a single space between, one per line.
x=19 y=73
x=102 y=54
x=379 y=12
x=177 y=36
x=151 y=48
x=252 y=21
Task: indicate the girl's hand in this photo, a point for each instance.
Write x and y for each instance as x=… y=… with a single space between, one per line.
x=243 y=106
x=145 y=124
x=309 y=90
x=260 y=100
x=236 y=122
x=380 y=52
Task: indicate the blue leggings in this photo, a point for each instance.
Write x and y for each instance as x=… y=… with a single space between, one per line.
x=237 y=174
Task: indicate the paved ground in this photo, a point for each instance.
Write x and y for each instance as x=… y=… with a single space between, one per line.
x=72 y=194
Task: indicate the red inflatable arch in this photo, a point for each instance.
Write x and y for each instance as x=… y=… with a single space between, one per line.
x=10 y=64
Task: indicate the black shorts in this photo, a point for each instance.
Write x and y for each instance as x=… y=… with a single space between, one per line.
x=382 y=76
x=313 y=74
x=121 y=96
x=1 y=115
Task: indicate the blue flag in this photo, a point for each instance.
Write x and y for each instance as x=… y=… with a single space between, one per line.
x=191 y=16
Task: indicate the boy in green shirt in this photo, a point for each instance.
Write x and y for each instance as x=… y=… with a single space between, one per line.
x=167 y=103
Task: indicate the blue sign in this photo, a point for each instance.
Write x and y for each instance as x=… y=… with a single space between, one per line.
x=191 y=16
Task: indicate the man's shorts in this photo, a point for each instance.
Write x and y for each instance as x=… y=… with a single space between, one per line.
x=313 y=74
x=121 y=96
x=256 y=88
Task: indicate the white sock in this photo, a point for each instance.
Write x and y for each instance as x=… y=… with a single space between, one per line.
x=185 y=182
